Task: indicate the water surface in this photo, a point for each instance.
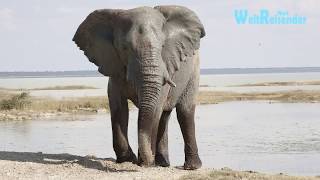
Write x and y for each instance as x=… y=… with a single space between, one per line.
x=256 y=136
x=216 y=80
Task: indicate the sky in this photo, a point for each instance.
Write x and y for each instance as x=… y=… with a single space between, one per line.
x=36 y=35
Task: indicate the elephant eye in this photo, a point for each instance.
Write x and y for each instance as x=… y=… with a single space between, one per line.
x=140 y=30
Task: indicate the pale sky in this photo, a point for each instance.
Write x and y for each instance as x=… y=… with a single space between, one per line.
x=35 y=35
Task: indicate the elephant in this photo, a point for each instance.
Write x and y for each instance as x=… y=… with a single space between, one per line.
x=151 y=55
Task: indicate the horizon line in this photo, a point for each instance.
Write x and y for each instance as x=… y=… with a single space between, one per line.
x=289 y=67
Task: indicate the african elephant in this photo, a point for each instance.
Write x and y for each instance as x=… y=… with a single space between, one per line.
x=151 y=56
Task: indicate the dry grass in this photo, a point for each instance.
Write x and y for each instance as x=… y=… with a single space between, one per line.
x=294 y=83
x=4 y=94
x=15 y=106
x=22 y=101
x=212 y=97
x=17 y=101
x=9 y=100
x=92 y=104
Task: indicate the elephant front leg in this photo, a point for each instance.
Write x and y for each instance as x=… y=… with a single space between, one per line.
x=185 y=114
x=162 y=153
x=119 y=119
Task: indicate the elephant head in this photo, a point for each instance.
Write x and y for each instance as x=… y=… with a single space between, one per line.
x=144 y=46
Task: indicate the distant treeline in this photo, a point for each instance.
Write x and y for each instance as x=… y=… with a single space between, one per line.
x=50 y=74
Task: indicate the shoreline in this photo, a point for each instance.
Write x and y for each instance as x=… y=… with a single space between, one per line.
x=29 y=165
x=30 y=107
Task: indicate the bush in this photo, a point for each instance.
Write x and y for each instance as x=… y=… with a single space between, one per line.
x=19 y=101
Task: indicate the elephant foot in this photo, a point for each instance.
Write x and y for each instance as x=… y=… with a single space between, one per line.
x=128 y=157
x=146 y=161
x=162 y=160
x=192 y=162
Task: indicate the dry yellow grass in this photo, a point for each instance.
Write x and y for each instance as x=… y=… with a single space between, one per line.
x=49 y=104
x=205 y=97
x=4 y=94
x=70 y=104
x=212 y=97
x=291 y=83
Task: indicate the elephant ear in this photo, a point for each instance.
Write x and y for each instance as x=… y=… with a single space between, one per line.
x=183 y=31
x=95 y=37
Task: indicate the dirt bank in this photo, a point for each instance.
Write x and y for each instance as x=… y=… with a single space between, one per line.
x=24 y=165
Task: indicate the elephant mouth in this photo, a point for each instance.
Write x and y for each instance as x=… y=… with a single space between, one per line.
x=167 y=79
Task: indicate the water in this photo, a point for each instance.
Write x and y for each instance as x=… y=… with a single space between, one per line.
x=41 y=82
x=206 y=71
x=216 y=80
x=256 y=136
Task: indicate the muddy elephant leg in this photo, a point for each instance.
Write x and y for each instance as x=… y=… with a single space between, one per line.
x=119 y=119
x=185 y=114
x=162 y=153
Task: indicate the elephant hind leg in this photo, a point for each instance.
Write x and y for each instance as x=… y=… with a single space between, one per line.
x=162 y=153
x=119 y=120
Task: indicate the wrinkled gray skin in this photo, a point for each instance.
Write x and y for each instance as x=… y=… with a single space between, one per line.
x=151 y=57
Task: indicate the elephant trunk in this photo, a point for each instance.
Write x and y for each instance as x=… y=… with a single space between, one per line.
x=149 y=94
x=151 y=81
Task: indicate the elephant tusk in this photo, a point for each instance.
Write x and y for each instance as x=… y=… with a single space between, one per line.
x=168 y=80
x=171 y=83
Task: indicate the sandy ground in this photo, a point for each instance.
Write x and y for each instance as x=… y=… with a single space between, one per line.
x=24 y=165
